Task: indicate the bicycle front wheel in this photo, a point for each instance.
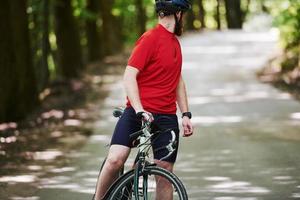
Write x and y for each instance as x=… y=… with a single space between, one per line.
x=154 y=183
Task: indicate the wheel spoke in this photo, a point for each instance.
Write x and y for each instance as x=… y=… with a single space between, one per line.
x=154 y=183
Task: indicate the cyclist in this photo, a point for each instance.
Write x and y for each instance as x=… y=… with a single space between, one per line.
x=153 y=85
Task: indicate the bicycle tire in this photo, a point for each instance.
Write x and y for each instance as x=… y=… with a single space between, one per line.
x=124 y=189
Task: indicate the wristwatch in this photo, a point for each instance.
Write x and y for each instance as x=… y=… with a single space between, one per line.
x=187 y=114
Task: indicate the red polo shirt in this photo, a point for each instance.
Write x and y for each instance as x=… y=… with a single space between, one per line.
x=157 y=56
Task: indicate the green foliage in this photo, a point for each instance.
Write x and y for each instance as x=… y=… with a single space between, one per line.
x=126 y=12
x=287 y=19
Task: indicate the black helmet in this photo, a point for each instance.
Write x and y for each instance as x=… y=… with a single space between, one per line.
x=169 y=7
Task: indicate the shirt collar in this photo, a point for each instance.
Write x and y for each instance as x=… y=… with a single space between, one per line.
x=162 y=29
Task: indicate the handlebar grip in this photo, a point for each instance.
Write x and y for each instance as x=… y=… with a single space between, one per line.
x=118 y=112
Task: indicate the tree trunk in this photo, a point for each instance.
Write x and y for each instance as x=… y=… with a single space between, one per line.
x=67 y=38
x=112 y=34
x=17 y=77
x=217 y=15
x=44 y=75
x=6 y=61
x=39 y=37
x=264 y=8
x=201 y=13
x=190 y=18
x=234 y=15
x=141 y=16
x=92 y=32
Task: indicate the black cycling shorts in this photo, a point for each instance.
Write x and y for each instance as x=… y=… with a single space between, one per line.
x=129 y=123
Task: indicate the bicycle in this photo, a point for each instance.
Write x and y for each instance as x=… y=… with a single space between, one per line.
x=141 y=181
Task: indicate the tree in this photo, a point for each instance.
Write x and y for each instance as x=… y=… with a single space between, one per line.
x=68 y=42
x=17 y=78
x=112 y=32
x=201 y=13
x=234 y=14
x=39 y=37
x=141 y=17
x=190 y=18
x=92 y=31
x=44 y=74
x=217 y=15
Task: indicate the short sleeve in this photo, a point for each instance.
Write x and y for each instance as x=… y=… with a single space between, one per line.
x=142 y=52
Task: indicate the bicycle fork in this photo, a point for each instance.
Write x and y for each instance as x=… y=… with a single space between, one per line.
x=137 y=172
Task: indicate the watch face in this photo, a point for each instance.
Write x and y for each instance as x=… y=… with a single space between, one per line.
x=187 y=114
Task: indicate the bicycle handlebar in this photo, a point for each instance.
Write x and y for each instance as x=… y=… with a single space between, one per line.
x=136 y=134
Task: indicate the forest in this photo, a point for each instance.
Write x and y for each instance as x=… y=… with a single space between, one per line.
x=61 y=67
x=50 y=40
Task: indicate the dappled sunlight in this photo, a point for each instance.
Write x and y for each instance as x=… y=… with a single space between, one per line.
x=296 y=195
x=223 y=91
x=284 y=180
x=242 y=187
x=35 y=167
x=107 y=78
x=25 y=198
x=295 y=116
x=100 y=138
x=8 y=139
x=86 y=185
x=186 y=65
x=113 y=102
x=62 y=186
x=213 y=50
x=284 y=96
x=63 y=169
x=234 y=95
x=19 y=179
x=72 y=122
x=5 y=126
x=47 y=155
x=76 y=154
x=217 y=178
x=58 y=114
x=200 y=100
x=257 y=95
x=96 y=79
x=56 y=134
x=210 y=120
x=84 y=190
x=102 y=124
x=234 y=198
x=234 y=36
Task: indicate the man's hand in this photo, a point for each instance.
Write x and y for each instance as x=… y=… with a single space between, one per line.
x=187 y=127
x=146 y=116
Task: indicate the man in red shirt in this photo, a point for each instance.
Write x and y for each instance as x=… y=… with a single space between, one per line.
x=153 y=85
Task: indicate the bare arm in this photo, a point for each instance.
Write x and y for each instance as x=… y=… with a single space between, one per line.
x=183 y=106
x=182 y=96
x=131 y=88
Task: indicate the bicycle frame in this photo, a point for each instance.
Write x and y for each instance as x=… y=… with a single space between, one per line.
x=140 y=162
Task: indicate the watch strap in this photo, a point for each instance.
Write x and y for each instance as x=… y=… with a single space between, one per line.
x=187 y=114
